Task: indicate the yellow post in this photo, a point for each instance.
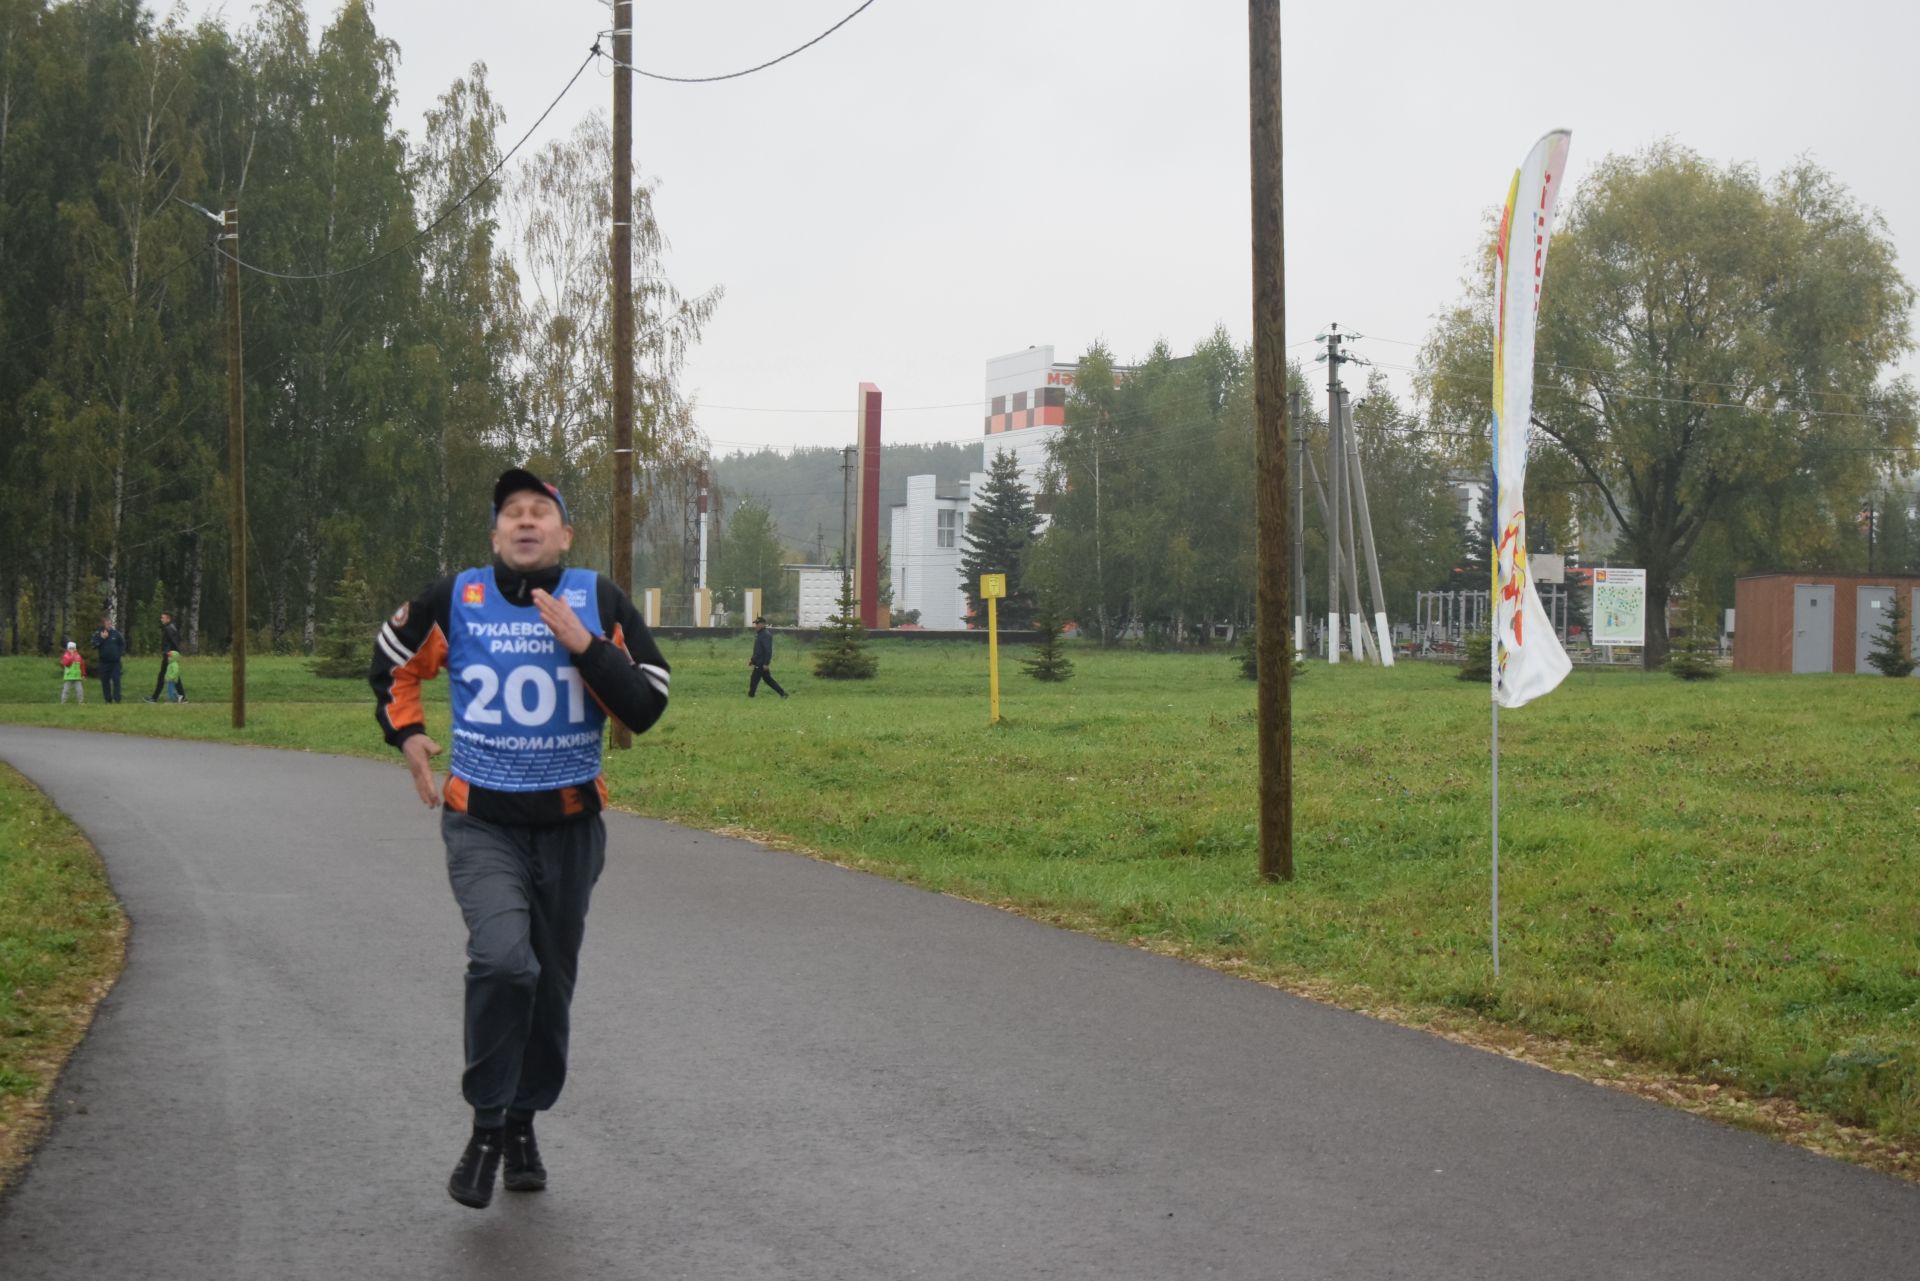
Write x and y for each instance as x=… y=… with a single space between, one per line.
x=993 y=657
x=993 y=587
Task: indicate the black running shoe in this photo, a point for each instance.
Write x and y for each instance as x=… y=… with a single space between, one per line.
x=472 y=1181
x=524 y=1171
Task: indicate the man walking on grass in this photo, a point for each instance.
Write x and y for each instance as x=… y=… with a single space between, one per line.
x=541 y=655
x=169 y=642
x=762 y=660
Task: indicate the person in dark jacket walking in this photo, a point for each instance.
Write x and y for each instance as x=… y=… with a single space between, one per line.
x=762 y=660
x=169 y=642
x=539 y=657
x=109 y=647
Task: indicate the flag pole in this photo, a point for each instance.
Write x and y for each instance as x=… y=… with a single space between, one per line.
x=1496 y=839
x=1493 y=697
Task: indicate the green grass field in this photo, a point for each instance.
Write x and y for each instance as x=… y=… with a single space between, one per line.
x=1717 y=879
x=61 y=939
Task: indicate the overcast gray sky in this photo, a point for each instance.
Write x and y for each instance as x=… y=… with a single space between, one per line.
x=938 y=183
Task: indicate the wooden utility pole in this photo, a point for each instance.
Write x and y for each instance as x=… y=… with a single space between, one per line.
x=620 y=562
x=1273 y=609
x=236 y=466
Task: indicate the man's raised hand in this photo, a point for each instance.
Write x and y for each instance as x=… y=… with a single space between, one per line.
x=562 y=622
x=420 y=751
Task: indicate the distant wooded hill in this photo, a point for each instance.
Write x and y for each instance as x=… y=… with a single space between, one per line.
x=802 y=490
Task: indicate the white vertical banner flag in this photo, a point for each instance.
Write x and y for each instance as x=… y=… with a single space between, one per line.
x=1527 y=658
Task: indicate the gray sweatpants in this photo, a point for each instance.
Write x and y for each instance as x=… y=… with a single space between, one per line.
x=524 y=894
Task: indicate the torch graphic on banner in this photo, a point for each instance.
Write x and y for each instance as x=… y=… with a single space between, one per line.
x=1527 y=658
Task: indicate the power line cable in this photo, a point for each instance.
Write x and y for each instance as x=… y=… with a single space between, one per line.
x=735 y=75
x=446 y=213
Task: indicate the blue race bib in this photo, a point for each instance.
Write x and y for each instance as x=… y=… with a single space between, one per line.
x=523 y=717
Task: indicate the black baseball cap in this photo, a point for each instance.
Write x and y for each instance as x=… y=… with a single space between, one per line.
x=517 y=480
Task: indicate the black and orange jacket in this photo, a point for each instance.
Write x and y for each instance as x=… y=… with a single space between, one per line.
x=624 y=670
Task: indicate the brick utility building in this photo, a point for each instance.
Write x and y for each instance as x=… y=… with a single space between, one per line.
x=1816 y=622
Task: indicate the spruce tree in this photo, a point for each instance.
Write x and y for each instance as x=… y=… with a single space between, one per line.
x=1000 y=528
x=1048 y=663
x=1479 y=658
x=1473 y=567
x=1696 y=657
x=1247 y=657
x=345 y=647
x=1890 y=651
x=843 y=643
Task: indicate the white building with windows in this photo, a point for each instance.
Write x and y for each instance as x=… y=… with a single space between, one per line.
x=927 y=539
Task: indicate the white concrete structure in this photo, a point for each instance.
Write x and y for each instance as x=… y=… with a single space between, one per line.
x=819 y=593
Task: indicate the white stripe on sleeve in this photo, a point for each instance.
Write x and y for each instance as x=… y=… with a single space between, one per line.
x=387 y=647
x=395 y=647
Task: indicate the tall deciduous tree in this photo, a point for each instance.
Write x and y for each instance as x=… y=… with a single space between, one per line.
x=1415 y=522
x=385 y=380
x=1897 y=533
x=559 y=209
x=1151 y=491
x=1713 y=347
x=130 y=242
x=749 y=555
x=458 y=384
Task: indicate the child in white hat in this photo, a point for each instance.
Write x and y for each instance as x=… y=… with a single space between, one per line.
x=73 y=673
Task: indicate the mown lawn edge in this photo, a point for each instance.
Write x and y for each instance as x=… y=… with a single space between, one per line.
x=63 y=937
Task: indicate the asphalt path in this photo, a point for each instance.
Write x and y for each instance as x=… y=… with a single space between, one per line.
x=783 y=1069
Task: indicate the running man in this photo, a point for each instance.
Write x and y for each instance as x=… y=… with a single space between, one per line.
x=540 y=656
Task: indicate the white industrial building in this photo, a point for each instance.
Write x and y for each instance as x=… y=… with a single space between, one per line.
x=1026 y=411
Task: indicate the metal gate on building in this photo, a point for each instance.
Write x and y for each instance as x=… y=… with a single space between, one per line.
x=1812 y=627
